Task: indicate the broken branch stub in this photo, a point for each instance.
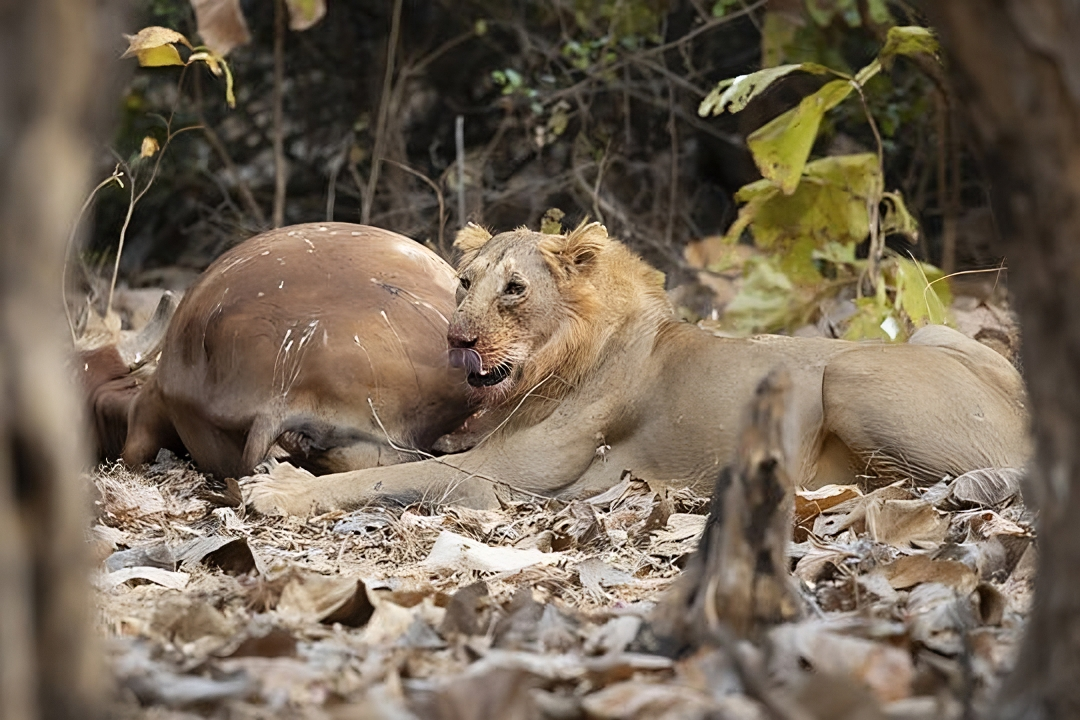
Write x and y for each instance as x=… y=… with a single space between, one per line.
x=738 y=577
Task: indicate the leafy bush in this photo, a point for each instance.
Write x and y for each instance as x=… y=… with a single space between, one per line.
x=810 y=216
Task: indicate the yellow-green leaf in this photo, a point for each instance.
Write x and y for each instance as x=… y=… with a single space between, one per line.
x=879 y=12
x=866 y=324
x=917 y=295
x=897 y=219
x=764 y=302
x=777 y=32
x=551 y=223
x=161 y=56
x=782 y=146
x=305 y=13
x=908 y=40
x=209 y=58
x=230 y=98
x=837 y=253
x=829 y=205
x=733 y=94
x=154 y=38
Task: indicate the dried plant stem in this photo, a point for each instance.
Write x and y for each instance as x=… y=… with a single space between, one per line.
x=384 y=113
x=443 y=250
x=279 y=113
x=115 y=177
x=459 y=142
x=873 y=203
x=133 y=201
x=242 y=188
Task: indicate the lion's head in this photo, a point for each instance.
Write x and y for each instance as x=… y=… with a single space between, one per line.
x=538 y=310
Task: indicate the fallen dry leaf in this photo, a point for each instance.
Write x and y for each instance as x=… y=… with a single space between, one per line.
x=455 y=553
x=159 y=576
x=885 y=669
x=989 y=487
x=902 y=522
x=595 y=574
x=326 y=599
x=912 y=570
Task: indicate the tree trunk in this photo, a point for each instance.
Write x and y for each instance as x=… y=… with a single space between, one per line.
x=1017 y=66
x=48 y=661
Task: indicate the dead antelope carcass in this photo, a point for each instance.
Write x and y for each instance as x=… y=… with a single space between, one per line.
x=326 y=341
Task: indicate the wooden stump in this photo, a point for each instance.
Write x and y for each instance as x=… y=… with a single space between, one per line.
x=737 y=583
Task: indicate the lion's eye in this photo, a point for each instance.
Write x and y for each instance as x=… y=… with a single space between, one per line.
x=465 y=283
x=514 y=288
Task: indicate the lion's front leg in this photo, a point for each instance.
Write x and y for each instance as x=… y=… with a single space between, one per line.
x=287 y=491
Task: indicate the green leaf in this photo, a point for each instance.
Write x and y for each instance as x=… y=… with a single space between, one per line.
x=879 y=12
x=764 y=301
x=908 y=40
x=918 y=296
x=822 y=12
x=551 y=223
x=778 y=31
x=305 y=13
x=829 y=205
x=782 y=146
x=836 y=253
x=897 y=219
x=230 y=96
x=720 y=8
x=866 y=324
x=733 y=94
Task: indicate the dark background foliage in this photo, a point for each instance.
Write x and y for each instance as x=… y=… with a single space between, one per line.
x=585 y=105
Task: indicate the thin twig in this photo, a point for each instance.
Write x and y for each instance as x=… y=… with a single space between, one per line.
x=231 y=170
x=115 y=177
x=135 y=201
x=420 y=65
x=279 y=113
x=673 y=192
x=438 y=194
x=384 y=114
x=704 y=27
x=877 y=241
x=335 y=169
x=459 y=144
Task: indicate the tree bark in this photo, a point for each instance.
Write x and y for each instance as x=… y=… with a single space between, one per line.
x=48 y=661
x=1017 y=66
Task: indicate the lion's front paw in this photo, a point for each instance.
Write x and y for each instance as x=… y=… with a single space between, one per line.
x=285 y=490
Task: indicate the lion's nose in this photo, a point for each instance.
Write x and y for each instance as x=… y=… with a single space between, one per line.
x=460 y=338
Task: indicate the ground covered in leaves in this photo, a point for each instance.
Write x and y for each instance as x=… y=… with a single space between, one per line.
x=914 y=602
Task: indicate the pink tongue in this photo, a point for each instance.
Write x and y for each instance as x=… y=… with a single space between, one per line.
x=466 y=358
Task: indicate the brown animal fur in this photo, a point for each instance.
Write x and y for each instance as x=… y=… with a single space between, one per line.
x=327 y=340
x=602 y=378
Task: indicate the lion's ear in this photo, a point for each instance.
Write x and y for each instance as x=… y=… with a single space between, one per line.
x=471 y=238
x=581 y=245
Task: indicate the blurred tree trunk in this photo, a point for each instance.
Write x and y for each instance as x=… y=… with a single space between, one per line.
x=1017 y=66
x=48 y=660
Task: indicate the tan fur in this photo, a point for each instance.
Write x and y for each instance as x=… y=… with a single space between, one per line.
x=605 y=379
x=471 y=238
x=326 y=342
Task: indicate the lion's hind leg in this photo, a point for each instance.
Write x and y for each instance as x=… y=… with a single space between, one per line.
x=941 y=404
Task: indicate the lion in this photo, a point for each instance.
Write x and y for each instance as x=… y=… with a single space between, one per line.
x=583 y=372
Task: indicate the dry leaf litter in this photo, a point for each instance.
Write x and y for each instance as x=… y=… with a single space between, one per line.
x=915 y=600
